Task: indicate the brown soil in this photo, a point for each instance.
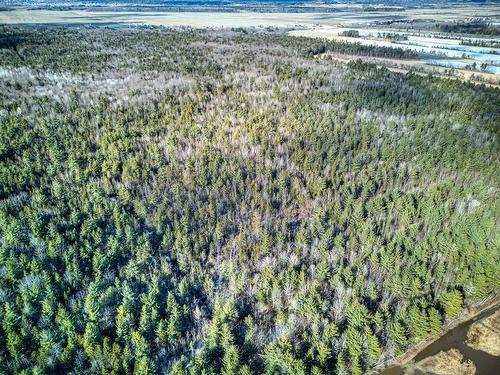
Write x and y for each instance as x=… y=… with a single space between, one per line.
x=449 y=362
x=484 y=335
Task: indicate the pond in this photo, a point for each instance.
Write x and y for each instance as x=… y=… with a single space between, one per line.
x=486 y=364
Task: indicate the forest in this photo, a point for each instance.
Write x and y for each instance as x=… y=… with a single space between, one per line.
x=178 y=201
x=472 y=27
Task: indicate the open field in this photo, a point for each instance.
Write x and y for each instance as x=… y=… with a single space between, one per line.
x=421 y=68
x=243 y=19
x=442 y=53
x=434 y=50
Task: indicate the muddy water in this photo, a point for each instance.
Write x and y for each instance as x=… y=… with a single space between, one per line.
x=486 y=364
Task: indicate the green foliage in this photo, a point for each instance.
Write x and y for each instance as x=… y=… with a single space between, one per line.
x=373 y=348
x=451 y=303
x=397 y=334
x=279 y=358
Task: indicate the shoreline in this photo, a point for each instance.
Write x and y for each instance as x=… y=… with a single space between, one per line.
x=471 y=312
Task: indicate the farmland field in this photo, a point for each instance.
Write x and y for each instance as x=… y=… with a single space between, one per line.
x=438 y=53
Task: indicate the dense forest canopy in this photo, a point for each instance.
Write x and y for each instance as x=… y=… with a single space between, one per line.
x=224 y=202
